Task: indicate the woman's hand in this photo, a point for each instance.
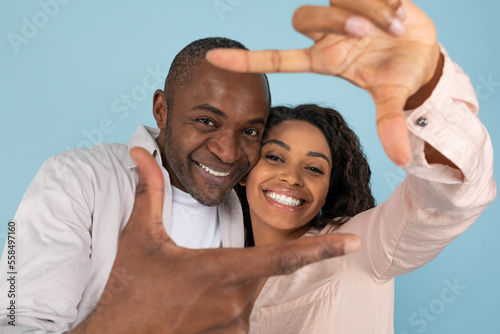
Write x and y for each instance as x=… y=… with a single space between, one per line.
x=390 y=68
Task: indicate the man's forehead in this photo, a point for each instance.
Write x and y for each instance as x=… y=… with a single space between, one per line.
x=214 y=88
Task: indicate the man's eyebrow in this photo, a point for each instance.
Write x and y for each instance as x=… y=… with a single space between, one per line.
x=259 y=120
x=277 y=142
x=318 y=155
x=223 y=115
x=212 y=109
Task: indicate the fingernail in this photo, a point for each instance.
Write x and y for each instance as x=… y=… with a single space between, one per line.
x=134 y=160
x=352 y=245
x=400 y=13
x=403 y=161
x=397 y=28
x=358 y=27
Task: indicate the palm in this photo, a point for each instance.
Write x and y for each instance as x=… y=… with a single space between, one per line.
x=379 y=63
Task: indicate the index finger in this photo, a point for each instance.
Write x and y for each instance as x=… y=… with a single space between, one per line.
x=266 y=61
x=391 y=123
x=285 y=258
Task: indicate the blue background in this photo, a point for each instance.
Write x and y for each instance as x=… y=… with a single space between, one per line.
x=65 y=81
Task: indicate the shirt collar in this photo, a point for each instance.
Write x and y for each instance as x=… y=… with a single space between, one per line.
x=145 y=137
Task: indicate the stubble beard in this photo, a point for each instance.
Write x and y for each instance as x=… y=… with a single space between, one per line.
x=209 y=197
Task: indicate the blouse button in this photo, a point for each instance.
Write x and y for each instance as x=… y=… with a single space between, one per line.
x=422 y=121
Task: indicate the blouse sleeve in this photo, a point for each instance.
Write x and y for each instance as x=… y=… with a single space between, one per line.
x=435 y=203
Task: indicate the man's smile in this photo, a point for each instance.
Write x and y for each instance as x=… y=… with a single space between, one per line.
x=211 y=171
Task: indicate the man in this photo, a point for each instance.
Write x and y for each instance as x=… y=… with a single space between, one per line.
x=155 y=286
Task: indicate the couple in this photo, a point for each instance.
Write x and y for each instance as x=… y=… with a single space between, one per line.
x=94 y=252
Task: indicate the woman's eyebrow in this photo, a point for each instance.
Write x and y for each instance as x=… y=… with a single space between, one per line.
x=318 y=155
x=277 y=142
x=287 y=147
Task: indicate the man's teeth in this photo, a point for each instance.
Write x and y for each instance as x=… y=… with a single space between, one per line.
x=285 y=200
x=211 y=171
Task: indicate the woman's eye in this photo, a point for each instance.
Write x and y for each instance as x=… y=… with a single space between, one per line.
x=273 y=158
x=316 y=170
x=206 y=121
x=251 y=132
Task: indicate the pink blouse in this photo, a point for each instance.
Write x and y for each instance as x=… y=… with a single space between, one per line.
x=354 y=294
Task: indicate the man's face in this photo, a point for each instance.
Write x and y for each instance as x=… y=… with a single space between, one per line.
x=214 y=130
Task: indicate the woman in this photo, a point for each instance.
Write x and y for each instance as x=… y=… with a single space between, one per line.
x=312 y=178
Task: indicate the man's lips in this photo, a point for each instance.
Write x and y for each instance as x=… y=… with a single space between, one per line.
x=211 y=171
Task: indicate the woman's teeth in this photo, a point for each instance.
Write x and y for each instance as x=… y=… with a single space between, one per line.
x=211 y=171
x=285 y=200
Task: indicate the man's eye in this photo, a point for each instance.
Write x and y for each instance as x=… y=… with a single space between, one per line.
x=251 y=132
x=206 y=121
x=273 y=158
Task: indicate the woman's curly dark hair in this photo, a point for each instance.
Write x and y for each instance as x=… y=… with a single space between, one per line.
x=349 y=191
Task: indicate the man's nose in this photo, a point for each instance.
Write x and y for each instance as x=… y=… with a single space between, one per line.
x=226 y=146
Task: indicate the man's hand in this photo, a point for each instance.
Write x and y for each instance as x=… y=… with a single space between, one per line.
x=157 y=287
x=356 y=40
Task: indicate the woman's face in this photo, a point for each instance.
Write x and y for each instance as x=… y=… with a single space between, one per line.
x=289 y=184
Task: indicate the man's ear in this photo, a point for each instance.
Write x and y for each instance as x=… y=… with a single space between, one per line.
x=243 y=182
x=160 y=109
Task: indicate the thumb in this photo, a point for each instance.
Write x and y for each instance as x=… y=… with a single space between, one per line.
x=148 y=205
x=391 y=125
